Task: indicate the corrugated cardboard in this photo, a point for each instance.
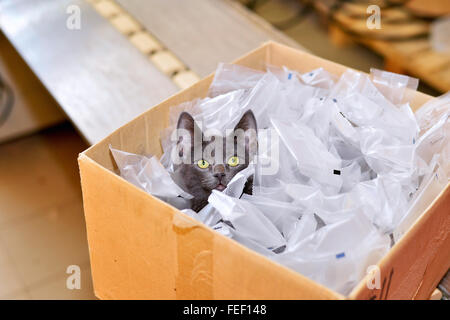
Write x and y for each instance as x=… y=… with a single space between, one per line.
x=142 y=248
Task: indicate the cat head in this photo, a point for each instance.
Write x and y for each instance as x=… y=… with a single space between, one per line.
x=212 y=160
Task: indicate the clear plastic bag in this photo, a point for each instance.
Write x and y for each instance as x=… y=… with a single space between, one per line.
x=397 y=88
x=338 y=254
x=230 y=77
x=148 y=174
x=432 y=111
x=247 y=219
x=319 y=78
x=312 y=157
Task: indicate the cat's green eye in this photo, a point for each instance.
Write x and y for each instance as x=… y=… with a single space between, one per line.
x=233 y=161
x=203 y=164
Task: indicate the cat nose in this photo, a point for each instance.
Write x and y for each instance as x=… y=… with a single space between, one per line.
x=219 y=171
x=219 y=175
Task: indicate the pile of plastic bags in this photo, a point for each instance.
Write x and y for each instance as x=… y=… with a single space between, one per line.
x=341 y=168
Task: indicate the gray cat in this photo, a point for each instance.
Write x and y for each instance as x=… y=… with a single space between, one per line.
x=204 y=171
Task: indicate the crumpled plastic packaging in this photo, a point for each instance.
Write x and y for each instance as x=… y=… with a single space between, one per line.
x=397 y=88
x=331 y=258
x=247 y=219
x=344 y=166
x=148 y=174
x=231 y=77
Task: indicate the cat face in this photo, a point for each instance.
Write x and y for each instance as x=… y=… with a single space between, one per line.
x=212 y=161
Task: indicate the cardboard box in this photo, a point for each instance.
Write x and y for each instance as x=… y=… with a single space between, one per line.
x=142 y=248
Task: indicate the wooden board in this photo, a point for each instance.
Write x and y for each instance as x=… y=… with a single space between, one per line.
x=415 y=56
x=95 y=74
x=203 y=33
x=429 y=8
x=101 y=78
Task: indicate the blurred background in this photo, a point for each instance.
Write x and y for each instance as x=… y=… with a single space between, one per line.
x=71 y=72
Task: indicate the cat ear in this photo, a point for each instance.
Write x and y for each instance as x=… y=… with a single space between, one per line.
x=247 y=121
x=187 y=124
x=248 y=125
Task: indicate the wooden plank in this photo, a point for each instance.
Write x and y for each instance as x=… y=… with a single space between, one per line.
x=431 y=61
x=107 y=8
x=338 y=37
x=125 y=24
x=95 y=74
x=415 y=57
x=443 y=76
x=145 y=42
x=388 y=14
x=429 y=8
x=167 y=62
x=393 y=66
x=388 y=30
x=203 y=33
x=185 y=79
x=411 y=47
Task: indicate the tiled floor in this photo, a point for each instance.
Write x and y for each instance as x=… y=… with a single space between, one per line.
x=42 y=229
